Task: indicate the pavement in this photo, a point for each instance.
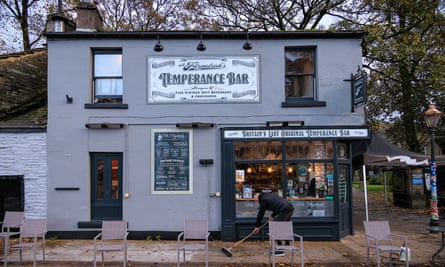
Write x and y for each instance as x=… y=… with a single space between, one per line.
x=350 y=251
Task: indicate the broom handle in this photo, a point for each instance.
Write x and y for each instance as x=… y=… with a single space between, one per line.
x=247 y=236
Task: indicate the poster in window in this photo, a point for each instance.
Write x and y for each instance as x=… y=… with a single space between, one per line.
x=342 y=151
x=171 y=171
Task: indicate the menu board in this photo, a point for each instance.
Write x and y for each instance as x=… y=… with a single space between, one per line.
x=171 y=172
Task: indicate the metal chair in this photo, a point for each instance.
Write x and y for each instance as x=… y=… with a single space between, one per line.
x=11 y=220
x=379 y=238
x=283 y=231
x=194 y=231
x=113 y=237
x=32 y=231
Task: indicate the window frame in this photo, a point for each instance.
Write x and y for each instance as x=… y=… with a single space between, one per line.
x=94 y=78
x=303 y=101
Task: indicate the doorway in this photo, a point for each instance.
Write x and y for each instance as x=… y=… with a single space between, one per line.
x=344 y=193
x=106 y=186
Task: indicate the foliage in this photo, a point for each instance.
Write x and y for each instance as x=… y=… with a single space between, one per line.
x=268 y=15
x=404 y=55
x=403 y=51
x=23 y=23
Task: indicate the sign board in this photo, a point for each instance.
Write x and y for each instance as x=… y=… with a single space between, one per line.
x=308 y=133
x=203 y=79
x=171 y=162
x=358 y=88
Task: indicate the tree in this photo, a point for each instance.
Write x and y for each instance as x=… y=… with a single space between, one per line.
x=267 y=15
x=26 y=17
x=153 y=15
x=404 y=54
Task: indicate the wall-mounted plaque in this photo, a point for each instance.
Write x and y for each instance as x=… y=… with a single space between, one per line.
x=171 y=160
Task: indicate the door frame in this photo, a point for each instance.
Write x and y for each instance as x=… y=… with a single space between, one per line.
x=345 y=206
x=108 y=208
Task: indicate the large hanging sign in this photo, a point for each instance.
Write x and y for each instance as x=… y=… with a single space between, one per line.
x=203 y=79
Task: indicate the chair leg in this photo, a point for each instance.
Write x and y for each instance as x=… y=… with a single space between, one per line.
x=34 y=252
x=178 y=253
x=207 y=257
x=378 y=257
x=43 y=248
x=5 y=260
x=125 y=257
x=367 y=256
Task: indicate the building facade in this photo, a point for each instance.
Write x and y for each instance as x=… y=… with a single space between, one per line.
x=159 y=127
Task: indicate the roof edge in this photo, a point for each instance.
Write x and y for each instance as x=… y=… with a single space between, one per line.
x=210 y=35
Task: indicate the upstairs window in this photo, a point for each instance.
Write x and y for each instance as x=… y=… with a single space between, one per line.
x=300 y=74
x=107 y=76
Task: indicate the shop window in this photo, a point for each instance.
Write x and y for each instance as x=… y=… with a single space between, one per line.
x=305 y=176
x=107 y=76
x=300 y=77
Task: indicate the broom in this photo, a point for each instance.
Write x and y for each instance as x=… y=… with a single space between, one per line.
x=228 y=251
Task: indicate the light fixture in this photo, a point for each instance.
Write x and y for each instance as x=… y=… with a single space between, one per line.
x=285 y=123
x=206 y=162
x=69 y=99
x=195 y=125
x=432 y=117
x=158 y=46
x=274 y=124
x=295 y=123
x=247 y=45
x=269 y=169
x=249 y=170
x=201 y=46
x=290 y=170
x=309 y=167
x=104 y=125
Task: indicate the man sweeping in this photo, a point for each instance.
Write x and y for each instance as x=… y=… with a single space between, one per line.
x=281 y=210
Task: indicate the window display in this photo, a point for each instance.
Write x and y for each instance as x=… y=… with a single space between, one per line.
x=304 y=175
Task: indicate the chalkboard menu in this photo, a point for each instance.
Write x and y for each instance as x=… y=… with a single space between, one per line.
x=171 y=172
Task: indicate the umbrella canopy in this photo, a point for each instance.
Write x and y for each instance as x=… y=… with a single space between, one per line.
x=377 y=153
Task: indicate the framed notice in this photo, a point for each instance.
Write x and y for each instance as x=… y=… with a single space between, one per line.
x=171 y=171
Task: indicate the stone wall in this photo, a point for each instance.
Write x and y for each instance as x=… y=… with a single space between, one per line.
x=25 y=154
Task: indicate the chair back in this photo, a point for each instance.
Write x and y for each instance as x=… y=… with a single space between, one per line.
x=195 y=229
x=114 y=230
x=281 y=230
x=378 y=229
x=33 y=227
x=12 y=219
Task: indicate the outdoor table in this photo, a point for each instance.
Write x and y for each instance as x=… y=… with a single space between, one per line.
x=437 y=229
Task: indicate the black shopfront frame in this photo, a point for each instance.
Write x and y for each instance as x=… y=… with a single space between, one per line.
x=331 y=228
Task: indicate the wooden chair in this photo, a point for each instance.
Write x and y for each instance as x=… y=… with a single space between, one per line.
x=194 y=232
x=113 y=237
x=379 y=238
x=283 y=231
x=32 y=232
x=11 y=220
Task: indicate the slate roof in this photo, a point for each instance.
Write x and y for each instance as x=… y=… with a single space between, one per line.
x=23 y=101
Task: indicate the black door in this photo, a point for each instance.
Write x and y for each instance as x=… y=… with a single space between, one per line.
x=344 y=193
x=106 y=186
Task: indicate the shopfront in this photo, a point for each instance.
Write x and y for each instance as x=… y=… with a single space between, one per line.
x=311 y=167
